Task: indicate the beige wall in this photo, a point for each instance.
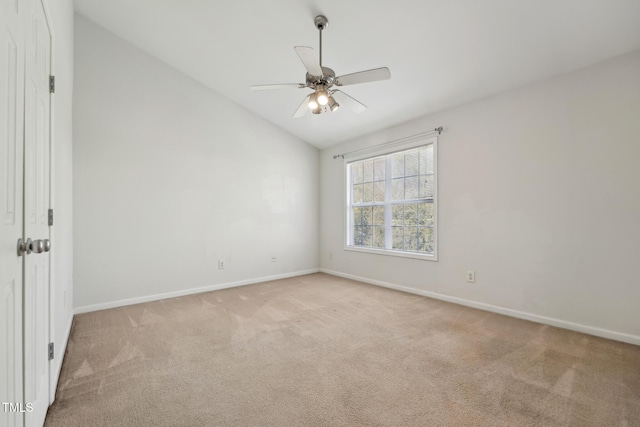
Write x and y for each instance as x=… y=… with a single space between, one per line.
x=170 y=177
x=539 y=193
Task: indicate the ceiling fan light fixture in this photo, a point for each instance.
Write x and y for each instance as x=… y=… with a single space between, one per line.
x=313 y=101
x=332 y=103
x=322 y=96
x=321 y=80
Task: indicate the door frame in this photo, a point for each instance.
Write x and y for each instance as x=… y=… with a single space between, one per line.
x=50 y=286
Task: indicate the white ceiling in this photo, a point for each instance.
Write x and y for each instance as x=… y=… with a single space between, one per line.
x=441 y=53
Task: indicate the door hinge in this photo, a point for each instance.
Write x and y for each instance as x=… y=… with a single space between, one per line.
x=52 y=84
x=50 y=351
x=50 y=217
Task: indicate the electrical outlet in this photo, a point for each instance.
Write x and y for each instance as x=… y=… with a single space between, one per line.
x=274 y=258
x=331 y=255
x=221 y=264
x=471 y=276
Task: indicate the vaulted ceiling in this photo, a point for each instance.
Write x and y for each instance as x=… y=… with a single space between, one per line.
x=441 y=53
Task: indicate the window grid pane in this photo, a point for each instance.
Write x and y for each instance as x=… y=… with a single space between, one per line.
x=411 y=188
x=367 y=171
x=411 y=239
x=397 y=165
x=358 y=193
x=426 y=186
x=379 y=167
x=367 y=192
x=378 y=215
x=378 y=191
x=412 y=164
x=405 y=209
x=397 y=215
x=410 y=215
x=357 y=216
x=397 y=189
x=378 y=237
x=356 y=173
x=398 y=238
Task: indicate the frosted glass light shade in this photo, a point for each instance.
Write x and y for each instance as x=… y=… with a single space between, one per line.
x=313 y=101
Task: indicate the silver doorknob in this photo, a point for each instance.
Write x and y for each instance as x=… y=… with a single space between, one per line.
x=24 y=246
x=37 y=246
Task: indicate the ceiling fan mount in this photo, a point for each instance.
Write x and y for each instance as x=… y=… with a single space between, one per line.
x=322 y=79
x=321 y=22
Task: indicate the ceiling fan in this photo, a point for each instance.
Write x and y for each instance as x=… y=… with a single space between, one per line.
x=322 y=80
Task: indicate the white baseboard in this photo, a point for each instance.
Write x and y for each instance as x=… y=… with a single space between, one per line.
x=591 y=330
x=156 y=297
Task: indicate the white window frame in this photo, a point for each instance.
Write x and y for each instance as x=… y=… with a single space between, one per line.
x=390 y=148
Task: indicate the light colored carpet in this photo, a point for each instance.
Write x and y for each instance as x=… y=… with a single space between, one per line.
x=319 y=350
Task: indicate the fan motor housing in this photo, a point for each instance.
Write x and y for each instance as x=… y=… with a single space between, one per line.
x=326 y=79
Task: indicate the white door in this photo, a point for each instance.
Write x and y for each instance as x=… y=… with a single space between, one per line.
x=36 y=206
x=11 y=219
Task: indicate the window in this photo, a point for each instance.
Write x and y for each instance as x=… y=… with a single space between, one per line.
x=391 y=201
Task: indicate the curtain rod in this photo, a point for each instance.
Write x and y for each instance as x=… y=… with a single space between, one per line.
x=437 y=130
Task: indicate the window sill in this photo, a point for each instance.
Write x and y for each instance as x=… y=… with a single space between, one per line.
x=387 y=252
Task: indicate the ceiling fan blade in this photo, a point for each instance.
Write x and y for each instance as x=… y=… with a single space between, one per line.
x=278 y=86
x=303 y=108
x=363 y=77
x=309 y=59
x=349 y=102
